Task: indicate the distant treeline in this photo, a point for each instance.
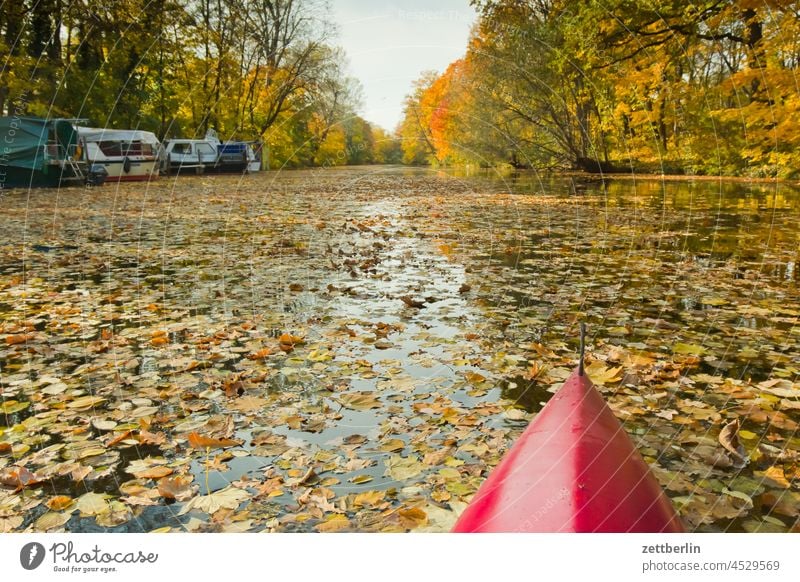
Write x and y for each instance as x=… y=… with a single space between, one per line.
x=251 y=69
x=702 y=87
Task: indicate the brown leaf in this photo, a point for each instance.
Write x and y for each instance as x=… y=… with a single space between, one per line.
x=287 y=341
x=412 y=517
x=197 y=441
x=18 y=477
x=178 y=487
x=119 y=438
x=729 y=439
x=19 y=338
x=59 y=502
x=156 y=472
x=411 y=302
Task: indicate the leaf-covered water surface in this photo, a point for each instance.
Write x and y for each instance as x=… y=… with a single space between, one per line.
x=354 y=350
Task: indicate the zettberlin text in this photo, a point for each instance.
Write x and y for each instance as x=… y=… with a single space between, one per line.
x=671 y=549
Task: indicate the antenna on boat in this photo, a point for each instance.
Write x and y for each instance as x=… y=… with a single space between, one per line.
x=583 y=347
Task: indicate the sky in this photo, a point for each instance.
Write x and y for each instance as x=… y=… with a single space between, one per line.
x=389 y=43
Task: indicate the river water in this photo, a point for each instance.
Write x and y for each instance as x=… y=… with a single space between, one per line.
x=430 y=314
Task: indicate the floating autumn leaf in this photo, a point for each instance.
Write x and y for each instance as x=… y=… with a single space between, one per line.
x=402 y=468
x=287 y=341
x=60 y=502
x=18 y=477
x=412 y=517
x=93 y=504
x=248 y=404
x=260 y=354
x=359 y=400
x=334 y=522
x=729 y=439
x=117 y=514
x=51 y=520
x=198 y=441
x=690 y=349
x=86 y=402
x=119 y=438
x=474 y=377
x=369 y=498
x=412 y=302
x=602 y=374
x=156 y=472
x=103 y=424
x=392 y=445
x=13 y=406
x=361 y=479
x=177 y=487
x=775 y=475
x=16 y=339
x=228 y=498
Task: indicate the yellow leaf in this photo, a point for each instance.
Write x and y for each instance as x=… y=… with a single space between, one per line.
x=412 y=517
x=601 y=374
x=335 y=522
x=369 y=498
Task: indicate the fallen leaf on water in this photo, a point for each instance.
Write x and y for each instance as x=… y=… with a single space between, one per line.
x=411 y=302
x=18 y=477
x=179 y=487
x=412 y=517
x=401 y=468
x=392 y=445
x=156 y=472
x=12 y=406
x=198 y=441
x=51 y=520
x=359 y=479
x=691 y=349
x=729 y=439
x=86 y=402
x=20 y=338
x=359 y=400
x=287 y=341
x=119 y=438
x=369 y=498
x=9 y=524
x=93 y=504
x=775 y=474
x=228 y=498
x=59 y=502
x=248 y=404
x=602 y=374
x=334 y=522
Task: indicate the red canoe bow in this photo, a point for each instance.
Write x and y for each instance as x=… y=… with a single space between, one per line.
x=574 y=469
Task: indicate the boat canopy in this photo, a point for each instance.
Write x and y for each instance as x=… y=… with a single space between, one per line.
x=22 y=140
x=98 y=134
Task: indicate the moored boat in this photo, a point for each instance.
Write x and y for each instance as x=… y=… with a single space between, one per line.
x=194 y=155
x=42 y=153
x=574 y=469
x=127 y=154
x=238 y=156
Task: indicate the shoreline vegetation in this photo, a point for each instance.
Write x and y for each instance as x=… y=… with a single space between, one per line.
x=704 y=89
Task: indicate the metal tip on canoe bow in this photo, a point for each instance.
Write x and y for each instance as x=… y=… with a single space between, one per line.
x=583 y=347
